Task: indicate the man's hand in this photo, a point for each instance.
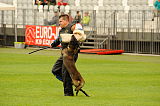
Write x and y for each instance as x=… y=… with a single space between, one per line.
x=52 y=45
x=55 y=43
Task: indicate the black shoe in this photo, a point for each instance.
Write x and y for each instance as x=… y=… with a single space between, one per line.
x=68 y=94
x=152 y=19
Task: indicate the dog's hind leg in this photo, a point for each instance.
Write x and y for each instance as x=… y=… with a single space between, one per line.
x=76 y=77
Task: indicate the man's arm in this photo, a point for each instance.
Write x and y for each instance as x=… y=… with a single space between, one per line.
x=56 y=42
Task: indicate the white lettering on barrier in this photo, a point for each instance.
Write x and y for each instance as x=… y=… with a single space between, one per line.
x=38 y=41
x=37 y=31
x=44 y=32
x=50 y=34
x=43 y=42
x=47 y=42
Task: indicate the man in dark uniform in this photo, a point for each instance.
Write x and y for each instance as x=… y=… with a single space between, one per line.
x=59 y=70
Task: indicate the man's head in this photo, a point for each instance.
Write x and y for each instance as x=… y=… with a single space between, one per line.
x=86 y=14
x=63 y=20
x=77 y=12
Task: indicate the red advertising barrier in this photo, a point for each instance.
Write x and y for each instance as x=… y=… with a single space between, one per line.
x=40 y=35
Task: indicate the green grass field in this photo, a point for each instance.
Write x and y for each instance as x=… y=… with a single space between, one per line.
x=111 y=80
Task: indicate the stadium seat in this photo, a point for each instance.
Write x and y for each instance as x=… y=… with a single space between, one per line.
x=100 y=3
x=77 y=3
x=9 y=20
x=51 y=8
x=19 y=6
x=67 y=8
x=9 y=1
x=122 y=15
x=123 y=23
x=133 y=8
x=25 y=2
x=90 y=2
x=149 y=15
x=71 y=2
x=3 y=1
x=35 y=7
x=136 y=24
x=30 y=13
x=102 y=8
x=30 y=6
x=20 y=12
x=112 y=2
x=137 y=2
x=50 y=15
x=100 y=14
x=41 y=21
x=40 y=18
x=40 y=8
x=30 y=20
x=19 y=1
x=24 y=6
x=90 y=7
x=20 y=20
x=120 y=7
x=55 y=8
x=75 y=8
x=119 y=24
x=87 y=8
x=83 y=2
x=5 y=20
x=62 y=8
x=46 y=8
x=30 y=2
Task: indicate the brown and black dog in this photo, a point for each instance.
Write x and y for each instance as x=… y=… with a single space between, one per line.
x=68 y=60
